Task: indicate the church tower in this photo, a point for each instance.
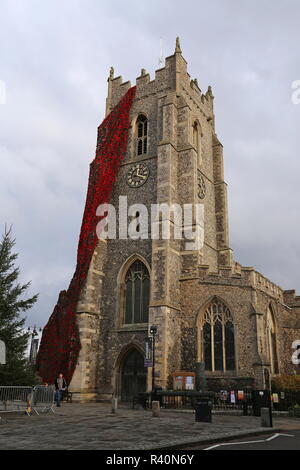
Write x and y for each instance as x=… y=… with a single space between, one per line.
x=157 y=147
x=173 y=156
x=210 y=312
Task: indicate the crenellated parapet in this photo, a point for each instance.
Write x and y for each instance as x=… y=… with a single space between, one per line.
x=116 y=89
x=172 y=77
x=242 y=276
x=291 y=299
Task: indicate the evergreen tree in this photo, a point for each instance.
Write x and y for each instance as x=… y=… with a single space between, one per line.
x=17 y=370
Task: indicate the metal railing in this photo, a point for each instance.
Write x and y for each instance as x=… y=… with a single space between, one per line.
x=234 y=400
x=285 y=400
x=43 y=399
x=180 y=399
x=171 y=399
x=15 y=399
x=246 y=402
x=26 y=399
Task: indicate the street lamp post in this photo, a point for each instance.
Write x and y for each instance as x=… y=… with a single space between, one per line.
x=33 y=345
x=2 y=353
x=153 y=332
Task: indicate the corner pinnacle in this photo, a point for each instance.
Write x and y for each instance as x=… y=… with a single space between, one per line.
x=177 y=48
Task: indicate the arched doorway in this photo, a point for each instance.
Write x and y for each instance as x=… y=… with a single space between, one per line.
x=133 y=375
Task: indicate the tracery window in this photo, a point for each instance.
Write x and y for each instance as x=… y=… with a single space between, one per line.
x=137 y=292
x=218 y=338
x=141 y=135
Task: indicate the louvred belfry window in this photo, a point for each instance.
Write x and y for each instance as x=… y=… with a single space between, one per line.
x=137 y=289
x=218 y=338
x=142 y=135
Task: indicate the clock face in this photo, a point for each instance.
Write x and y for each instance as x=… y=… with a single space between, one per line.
x=137 y=175
x=201 y=186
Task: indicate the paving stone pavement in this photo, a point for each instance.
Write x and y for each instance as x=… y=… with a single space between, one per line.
x=93 y=426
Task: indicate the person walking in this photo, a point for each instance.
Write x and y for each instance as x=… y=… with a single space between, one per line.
x=60 y=386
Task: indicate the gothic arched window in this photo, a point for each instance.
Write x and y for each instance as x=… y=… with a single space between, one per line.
x=141 y=135
x=217 y=329
x=271 y=340
x=137 y=290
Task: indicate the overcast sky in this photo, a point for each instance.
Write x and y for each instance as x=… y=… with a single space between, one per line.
x=54 y=60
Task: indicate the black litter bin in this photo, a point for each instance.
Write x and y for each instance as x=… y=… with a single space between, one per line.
x=203 y=408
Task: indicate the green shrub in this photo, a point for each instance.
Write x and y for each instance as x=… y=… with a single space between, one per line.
x=286 y=382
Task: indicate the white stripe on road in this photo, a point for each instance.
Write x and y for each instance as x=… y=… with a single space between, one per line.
x=279 y=434
x=249 y=442
x=233 y=443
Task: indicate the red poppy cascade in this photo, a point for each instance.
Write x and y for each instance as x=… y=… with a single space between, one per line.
x=60 y=343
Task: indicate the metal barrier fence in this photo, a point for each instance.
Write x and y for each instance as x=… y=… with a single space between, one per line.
x=26 y=399
x=15 y=399
x=43 y=399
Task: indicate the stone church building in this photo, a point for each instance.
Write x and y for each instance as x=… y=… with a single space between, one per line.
x=207 y=308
